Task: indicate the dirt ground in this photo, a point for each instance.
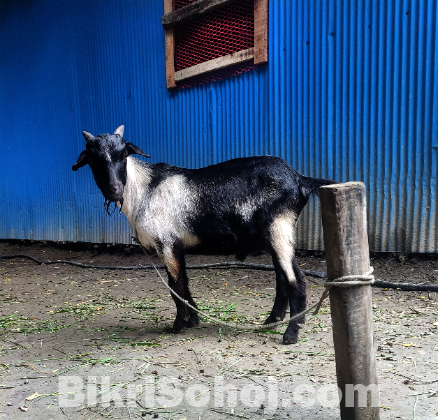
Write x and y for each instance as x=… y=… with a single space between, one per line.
x=95 y=343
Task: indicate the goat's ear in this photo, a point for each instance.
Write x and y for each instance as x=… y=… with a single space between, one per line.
x=134 y=150
x=82 y=161
x=120 y=130
x=87 y=136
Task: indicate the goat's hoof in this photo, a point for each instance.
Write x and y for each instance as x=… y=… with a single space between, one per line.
x=193 y=321
x=291 y=334
x=271 y=319
x=290 y=340
x=290 y=337
x=178 y=327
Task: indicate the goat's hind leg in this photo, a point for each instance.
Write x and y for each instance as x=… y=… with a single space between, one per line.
x=297 y=302
x=279 y=237
x=290 y=287
x=291 y=290
x=178 y=281
x=281 y=301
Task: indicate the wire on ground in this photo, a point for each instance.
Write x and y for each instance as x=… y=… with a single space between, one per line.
x=419 y=287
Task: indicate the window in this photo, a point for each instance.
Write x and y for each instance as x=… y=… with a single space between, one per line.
x=212 y=39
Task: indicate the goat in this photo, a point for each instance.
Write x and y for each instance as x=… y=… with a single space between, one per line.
x=251 y=204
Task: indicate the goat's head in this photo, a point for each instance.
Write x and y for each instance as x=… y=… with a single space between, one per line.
x=106 y=154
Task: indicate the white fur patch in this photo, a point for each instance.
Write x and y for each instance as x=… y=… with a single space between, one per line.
x=146 y=240
x=162 y=212
x=246 y=209
x=282 y=232
x=189 y=240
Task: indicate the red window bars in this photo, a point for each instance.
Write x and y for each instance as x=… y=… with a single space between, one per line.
x=215 y=44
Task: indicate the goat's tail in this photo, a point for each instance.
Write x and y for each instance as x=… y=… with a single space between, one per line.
x=311 y=185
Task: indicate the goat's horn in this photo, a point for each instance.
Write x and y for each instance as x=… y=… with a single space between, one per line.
x=87 y=136
x=120 y=130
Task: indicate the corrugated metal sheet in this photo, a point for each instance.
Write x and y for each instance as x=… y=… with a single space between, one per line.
x=350 y=93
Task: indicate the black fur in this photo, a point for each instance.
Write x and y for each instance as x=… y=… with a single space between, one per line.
x=242 y=205
x=222 y=186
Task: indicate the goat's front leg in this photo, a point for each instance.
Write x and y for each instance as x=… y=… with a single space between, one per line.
x=174 y=261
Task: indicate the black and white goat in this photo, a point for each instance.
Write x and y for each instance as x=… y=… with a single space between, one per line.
x=247 y=203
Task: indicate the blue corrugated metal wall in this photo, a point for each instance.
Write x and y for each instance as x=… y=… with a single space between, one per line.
x=350 y=92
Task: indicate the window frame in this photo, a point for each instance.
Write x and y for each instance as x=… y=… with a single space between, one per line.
x=258 y=54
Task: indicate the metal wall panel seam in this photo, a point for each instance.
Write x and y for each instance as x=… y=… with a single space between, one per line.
x=421 y=195
x=366 y=97
x=390 y=215
x=412 y=159
x=432 y=118
x=372 y=121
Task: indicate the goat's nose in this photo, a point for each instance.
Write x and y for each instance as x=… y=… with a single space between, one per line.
x=117 y=189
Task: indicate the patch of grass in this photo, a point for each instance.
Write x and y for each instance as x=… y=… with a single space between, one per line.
x=270 y=332
x=83 y=310
x=88 y=362
x=97 y=329
x=145 y=343
x=224 y=312
x=20 y=324
x=17 y=323
x=9 y=321
x=115 y=336
x=142 y=305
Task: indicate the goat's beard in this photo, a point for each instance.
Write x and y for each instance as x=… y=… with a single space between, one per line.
x=107 y=205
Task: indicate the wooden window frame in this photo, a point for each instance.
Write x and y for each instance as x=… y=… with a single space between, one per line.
x=171 y=18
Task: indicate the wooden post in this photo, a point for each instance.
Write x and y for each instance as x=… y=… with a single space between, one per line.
x=344 y=219
x=169 y=39
x=260 y=31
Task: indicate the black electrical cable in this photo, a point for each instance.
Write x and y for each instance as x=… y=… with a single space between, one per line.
x=419 y=287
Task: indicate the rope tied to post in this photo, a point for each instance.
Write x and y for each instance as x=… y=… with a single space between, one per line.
x=366 y=279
